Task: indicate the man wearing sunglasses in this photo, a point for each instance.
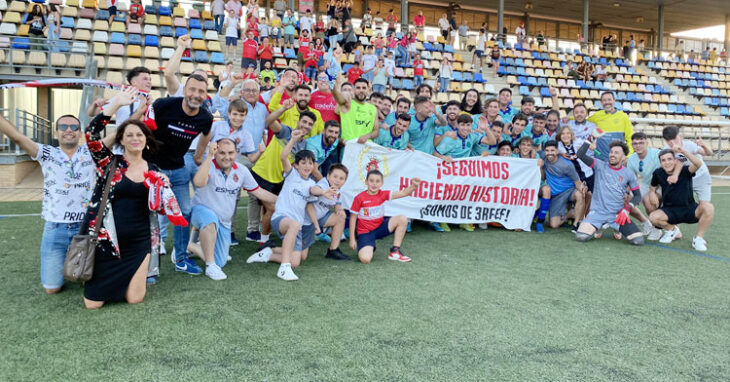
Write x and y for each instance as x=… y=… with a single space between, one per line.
x=68 y=178
x=643 y=162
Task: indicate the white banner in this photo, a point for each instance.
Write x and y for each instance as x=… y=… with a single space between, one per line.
x=470 y=190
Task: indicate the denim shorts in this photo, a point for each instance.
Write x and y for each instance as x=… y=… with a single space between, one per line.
x=231 y=41
x=307 y=232
x=54 y=244
x=298 y=244
x=203 y=216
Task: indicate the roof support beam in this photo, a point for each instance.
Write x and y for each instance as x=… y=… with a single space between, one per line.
x=586 y=12
x=660 y=28
x=500 y=20
x=404 y=17
x=727 y=32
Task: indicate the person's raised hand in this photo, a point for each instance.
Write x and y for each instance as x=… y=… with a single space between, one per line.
x=212 y=148
x=184 y=41
x=553 y=91
x=99 y=102
x=126 y=97
x=297 y=134
x=288 y=104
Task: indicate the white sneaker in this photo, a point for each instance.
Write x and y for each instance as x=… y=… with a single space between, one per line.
x=229 y=258
x=261 y=256
x=483 y=226
x=286 y=273
x=163 y=251
x=699 y=244
x=215 y=272
x=655 y=234
x=669 y=236
x=172 y=256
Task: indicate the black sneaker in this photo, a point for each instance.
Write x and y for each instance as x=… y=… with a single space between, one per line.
x=336 y=254
x=253 y=236
x=234 y=242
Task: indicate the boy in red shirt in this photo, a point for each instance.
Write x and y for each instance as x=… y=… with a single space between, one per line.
x=418 y=70
x=354 y=73
x=250 y=50
x=265 y=53
x=250 y=73
x=303 y=47
x=367 y=214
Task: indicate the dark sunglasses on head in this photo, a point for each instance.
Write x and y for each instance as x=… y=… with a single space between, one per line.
x=64 y=127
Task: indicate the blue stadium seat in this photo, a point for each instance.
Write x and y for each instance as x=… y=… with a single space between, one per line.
x=21 y=43
x=200 y=56
x=521 y=71
x=500 y=72
x=151 y=9
x=448 y=48
x=209 y=25
x=118 y=38
x=519 y=62
x=518 y=46
x=428 y=46
x=121 y=16
x=681 y=109
x=151 y=40
x=102 y=14
x=217 y=58
x=180 y=31
x=408 y=84
x=532 y=81
x=134 y=39
x=63 y=46
x=672 y=108
x=195 y=24
x=438 y=47
x=544 y=92
x=650 y=88
x=196 y=34
x=67 y=22
x=289 y=53
x=542 y=81
x=581 y=84
x=603 y=61
x=619 y=62
x=479 y=78
x=512 y=70
x=716 y=92
x=165 y=11
x=522 y=80
x=456 y=76
x=725 y=111
x=166 y=31
x=467 y=76
x=524 y=91
x=397 y=84
x=535 y=54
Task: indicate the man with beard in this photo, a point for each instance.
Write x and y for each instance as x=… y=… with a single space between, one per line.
x=395 y=136
x=323 y=145
x=288 y=82
x=562 y=186
x=608 y=206
x=68 y=176
x=174 y=88
x=615 y=125
x=506 y=111
x=358 y=117
x=175 y=122
x=290 y=117
x=582 y=128
x=453 y=110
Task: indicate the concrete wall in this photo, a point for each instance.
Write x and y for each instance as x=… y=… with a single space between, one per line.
x=12 y=174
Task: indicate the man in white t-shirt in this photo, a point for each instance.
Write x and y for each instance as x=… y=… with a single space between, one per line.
x=305 y=22
x=219 y=181
x=68 y=179
x=702 y=181
x=140 y=78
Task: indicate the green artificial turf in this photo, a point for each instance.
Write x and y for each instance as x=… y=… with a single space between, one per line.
x=492 y=305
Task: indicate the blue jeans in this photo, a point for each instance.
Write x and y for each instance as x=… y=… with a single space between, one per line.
x=444 y=84
x=180 y=180
x=202 y=217
x=54 y=244
x=368 y=76
x=402 y=55
x=379 y=88
x=219 y=22
x=418 y=80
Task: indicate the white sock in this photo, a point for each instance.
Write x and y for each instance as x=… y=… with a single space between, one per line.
x=284 y=266
x=264 y=238
x=209 y=263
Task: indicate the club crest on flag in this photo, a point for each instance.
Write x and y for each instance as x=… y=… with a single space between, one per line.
x=368 y=161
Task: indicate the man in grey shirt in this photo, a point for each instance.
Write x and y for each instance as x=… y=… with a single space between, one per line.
x=607 y=205
x=280 y=7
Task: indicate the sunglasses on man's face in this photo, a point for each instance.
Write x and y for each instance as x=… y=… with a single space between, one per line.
x=65 y=126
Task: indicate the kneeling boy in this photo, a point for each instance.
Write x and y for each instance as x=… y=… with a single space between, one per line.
x=367 y=215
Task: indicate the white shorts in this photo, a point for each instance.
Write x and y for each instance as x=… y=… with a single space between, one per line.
x=702 y=185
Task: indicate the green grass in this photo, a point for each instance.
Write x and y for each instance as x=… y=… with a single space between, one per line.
x=492 y=305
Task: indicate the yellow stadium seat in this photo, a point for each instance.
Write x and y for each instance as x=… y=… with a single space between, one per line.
x=70 y=11
x=18 y=57
x=150 y=19
x=23 y=30
x=58 y=60
x=100 y=48
x=166 y=20
x=100 y=62
x=77 y=61
x=186 y=68
x=156 y=80
x=18 y=6
x=82 y=35
x=12 y=17
x=199 y=45
x=101 y=25
x=151 y=52
x=178 y=12
x=442 y=97
x=132 y=63
x=153 y=65
x=118 y=26
x=214 y=46
x=280 y=63
x=114 y=77
x=134 y=51
x=89 y=4
x=167 y=42
x=207 y=15
x=114 y=62
x=457 y=66
x=37 y=58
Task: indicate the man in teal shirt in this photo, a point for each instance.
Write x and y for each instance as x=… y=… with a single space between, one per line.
x=423 y=124
x=396 y=136
x=323 y=145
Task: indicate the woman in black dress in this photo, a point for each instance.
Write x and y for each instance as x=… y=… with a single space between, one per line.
x=130 y=234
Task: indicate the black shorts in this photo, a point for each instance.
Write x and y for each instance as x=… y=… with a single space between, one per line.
x=445 y=33
x=590 y=181
x=679 y=215
x=112 y=10
x=274 y=188
x=368 y=239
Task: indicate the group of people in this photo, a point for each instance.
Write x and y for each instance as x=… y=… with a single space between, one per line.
x=283 y=147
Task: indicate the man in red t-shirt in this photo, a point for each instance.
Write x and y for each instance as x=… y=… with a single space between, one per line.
x=322 y=99
x=304 y=40
x=367 y=215
x=265 y=53
x=418 y=70
x=354 y=73
x=250 y=50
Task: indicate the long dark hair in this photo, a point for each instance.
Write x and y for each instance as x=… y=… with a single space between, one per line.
x=476 y=109
x=151 y=143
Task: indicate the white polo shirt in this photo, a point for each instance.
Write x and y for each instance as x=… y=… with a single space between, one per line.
x=219 y=194
x=323 y=205
x=222 y=129
x=67 y=183
x=293 y=198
